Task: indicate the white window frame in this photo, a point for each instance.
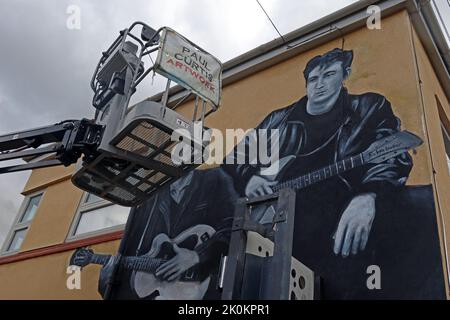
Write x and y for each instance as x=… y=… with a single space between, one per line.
x=17 y=225
x=84 y=207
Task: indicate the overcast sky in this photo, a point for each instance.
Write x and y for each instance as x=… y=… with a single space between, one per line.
x=46 y=68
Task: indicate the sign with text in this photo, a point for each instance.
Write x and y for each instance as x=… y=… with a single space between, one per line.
x=187 y=64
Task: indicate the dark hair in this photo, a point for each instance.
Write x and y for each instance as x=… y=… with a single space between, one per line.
x=345 y=56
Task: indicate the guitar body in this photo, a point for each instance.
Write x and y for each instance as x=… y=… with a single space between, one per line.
x=146 y=283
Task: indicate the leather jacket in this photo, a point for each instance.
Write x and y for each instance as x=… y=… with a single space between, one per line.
x=366 y=118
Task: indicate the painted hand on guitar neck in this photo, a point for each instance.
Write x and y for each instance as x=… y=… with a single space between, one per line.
x=181 y=262
x=262 y=184
x=259 y=186
x=354 y=226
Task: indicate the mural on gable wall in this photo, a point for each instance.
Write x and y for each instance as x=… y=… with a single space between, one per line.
x=350 y=214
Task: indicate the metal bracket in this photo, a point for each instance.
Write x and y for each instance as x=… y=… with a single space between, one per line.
x=280 y=216
x=264 y=272
x=242 y=223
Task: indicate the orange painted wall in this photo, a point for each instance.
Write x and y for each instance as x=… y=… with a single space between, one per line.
x=45 y=277
x=430 y=92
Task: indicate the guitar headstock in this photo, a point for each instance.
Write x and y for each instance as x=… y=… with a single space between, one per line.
x=81 y=257
x=391 y=146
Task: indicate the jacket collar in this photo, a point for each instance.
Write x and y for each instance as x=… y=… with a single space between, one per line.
x=344 y=98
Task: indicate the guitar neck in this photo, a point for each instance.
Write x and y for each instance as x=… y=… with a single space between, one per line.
x=146 y=264
x=142 y=263
x=132 y=263
x=322 y=174
x=101 y=259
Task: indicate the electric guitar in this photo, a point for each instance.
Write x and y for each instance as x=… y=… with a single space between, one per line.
x=378 y=152
x=191 y=286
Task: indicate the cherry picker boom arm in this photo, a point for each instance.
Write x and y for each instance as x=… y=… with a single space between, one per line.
x=64 y=142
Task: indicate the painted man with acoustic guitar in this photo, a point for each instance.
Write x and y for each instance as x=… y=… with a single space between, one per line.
x=175 y=243
x=187 y=226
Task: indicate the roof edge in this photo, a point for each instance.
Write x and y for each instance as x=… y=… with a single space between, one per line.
x=329 y=28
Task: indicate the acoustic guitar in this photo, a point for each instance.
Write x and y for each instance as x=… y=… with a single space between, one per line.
x=191 y=286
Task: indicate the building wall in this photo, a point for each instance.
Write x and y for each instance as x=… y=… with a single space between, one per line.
x=430 y=91
x=45 y=277
x=384 y=62
x=56 y=212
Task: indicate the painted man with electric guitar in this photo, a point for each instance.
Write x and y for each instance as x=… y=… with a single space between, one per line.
x=322 y=129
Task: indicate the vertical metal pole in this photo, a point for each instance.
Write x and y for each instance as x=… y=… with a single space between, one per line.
x=129 y=92
x=236 y=254
x=276 y=271
x=165 y=96
x=203 y=113
x=194 y=118
x=149 y=219
x=275 y=285
x=164 y=99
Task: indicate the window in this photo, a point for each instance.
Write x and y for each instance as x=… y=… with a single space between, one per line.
x=96 y=216
x=19 y=230
x=31 y=209
x=445 y=127
x=446 y=136
x=16 y=242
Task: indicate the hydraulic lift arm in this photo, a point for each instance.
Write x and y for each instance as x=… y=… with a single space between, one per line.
x=65 y=142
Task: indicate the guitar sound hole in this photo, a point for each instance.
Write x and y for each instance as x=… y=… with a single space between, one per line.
x=166 y=251
x=189 y=243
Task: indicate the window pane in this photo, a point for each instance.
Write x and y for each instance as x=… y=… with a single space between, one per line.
x=446 y=140
x=105 y=217
x=17 y=240
x=32 y=206
x=92 y=198
x=448 y=163
x=447 y=144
